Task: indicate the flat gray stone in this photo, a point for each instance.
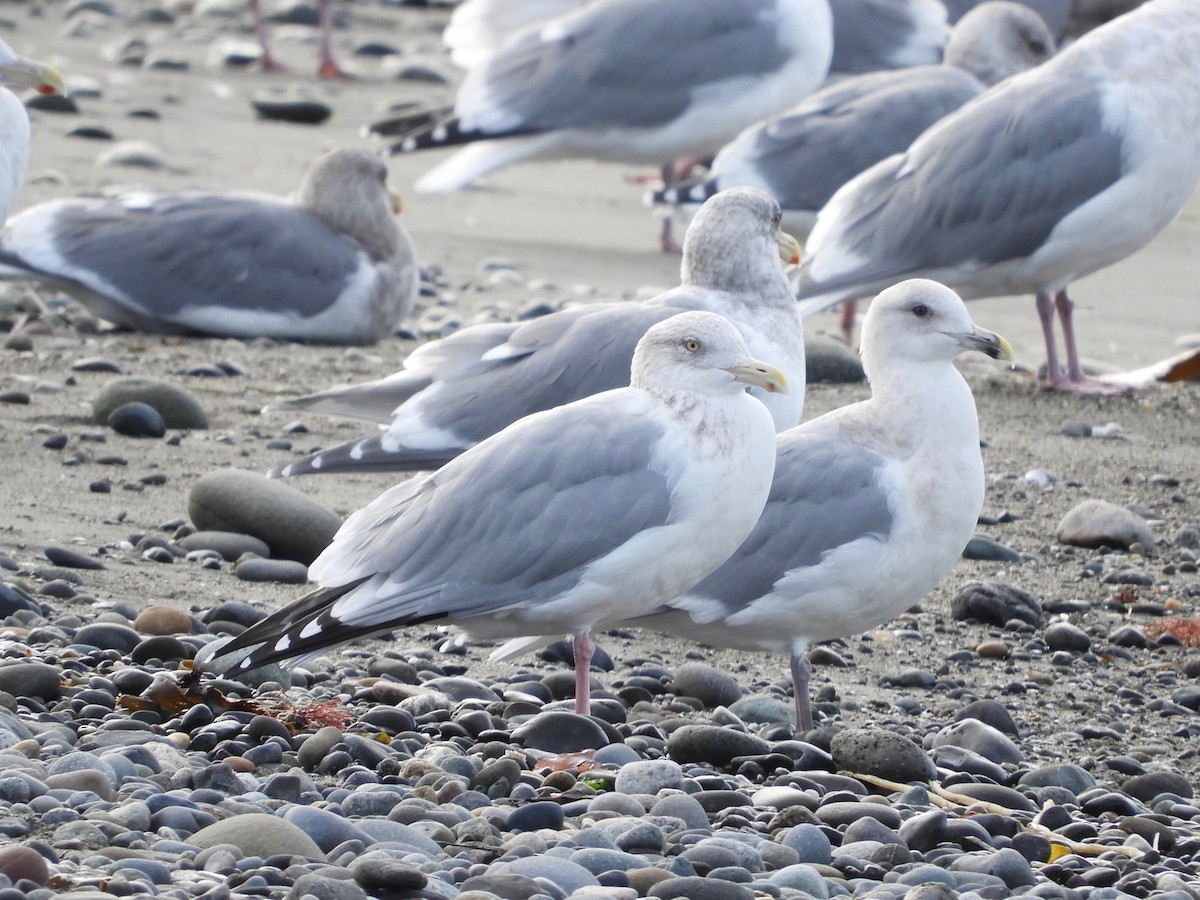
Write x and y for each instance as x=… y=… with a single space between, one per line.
x=1097 y=523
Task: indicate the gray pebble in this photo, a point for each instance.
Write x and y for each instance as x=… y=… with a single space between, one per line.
x=995 y=603
x=1097 y=523
x=1065 y=636
x=137 y=420
x=279 y=571
x=713 y=744
x=178 y=408
x=289 y=522
x=258 y=834
x=229 y=544
x=708 y=684
x=980 y=738
x=649 y=776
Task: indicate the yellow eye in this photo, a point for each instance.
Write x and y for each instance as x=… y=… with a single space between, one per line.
x=691 y=345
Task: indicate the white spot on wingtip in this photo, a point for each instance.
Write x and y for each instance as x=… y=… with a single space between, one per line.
x=311 y=629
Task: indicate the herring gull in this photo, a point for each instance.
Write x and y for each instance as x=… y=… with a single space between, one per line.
x=1051 y=175
x=454 y=392
x=871 y=504
x=332 y=264
x=20 y=73
x=804 y=155
x=638 y=81
x=592 y=512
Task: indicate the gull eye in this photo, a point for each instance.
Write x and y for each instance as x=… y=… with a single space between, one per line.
x=691 y=345
x=920 y=310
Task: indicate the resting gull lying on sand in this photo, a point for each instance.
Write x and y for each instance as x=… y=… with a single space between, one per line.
x=1053 y=174
x=591 y=512
x=454 y=392
x=332 y=264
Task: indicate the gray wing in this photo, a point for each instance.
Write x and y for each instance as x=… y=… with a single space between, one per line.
x=803 y=157
x=869 y=35
x=825 y=494
x=160 y=258
x=515 y=522
x=988 y=186
x=628 y=63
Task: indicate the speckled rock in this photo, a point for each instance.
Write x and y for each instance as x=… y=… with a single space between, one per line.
x=873 y=751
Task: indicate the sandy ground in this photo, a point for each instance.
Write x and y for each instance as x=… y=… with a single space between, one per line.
x=577 y=226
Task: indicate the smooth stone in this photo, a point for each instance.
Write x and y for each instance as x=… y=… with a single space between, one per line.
x=885 y=754
x=648 y=776
x=259 y=834
x=383 y=874
x=84 y=780
x=1065 y=636
x=981 y=738
x=843 y=812
x=559 y=731
x=829 y=360
x=1098 y=523
x=995 y=604
x=1006 y=864
x=31 y=679
x=681 y=806
x=1064 y=775
x=178 y=408
x=1159 y=781
x=108 y=636
x=278 y=571
x=960 y=759
x=697 y=888
x=997 y=793
x=323 y=828
x=72 y=559
x=708 y=684
x=990 y=712
x=19 y=862
x=133 y=154
x=325 y=888
x=534 y=816
x=229 y=544
x=984 y=548
x=137 y=420
x=161 y=620
x=303 y=112
x=567 y=875
x=713 y=744
x=293 y=525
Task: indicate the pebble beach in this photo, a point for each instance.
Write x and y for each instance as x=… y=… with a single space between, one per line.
x=1030 y=728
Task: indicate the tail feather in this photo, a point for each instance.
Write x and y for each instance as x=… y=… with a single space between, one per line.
x=374 y=401
x=448 y=132
x=684 y=194
x=367 y=455
x=405 y=118
x=303 y=629
x=478 y=159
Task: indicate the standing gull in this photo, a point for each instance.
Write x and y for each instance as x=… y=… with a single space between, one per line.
x=804 y=155
x=871 y=503
x=20 y=73
x=588 y=513
x=639 y=81
x=1050 y=176
x=332 y=264
x=454 y=392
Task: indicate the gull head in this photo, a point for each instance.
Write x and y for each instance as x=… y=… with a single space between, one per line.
x=923 y=321
x=700 y=352
x=18 y=72
x=734 y=243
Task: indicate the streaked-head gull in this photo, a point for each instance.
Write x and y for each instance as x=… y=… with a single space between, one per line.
x=1053 y=174
x=592 y=512
x=455 y=392
x=331 y=264
x=871 y=503
x=20 y=73
x=804 y=155
x=640 y=81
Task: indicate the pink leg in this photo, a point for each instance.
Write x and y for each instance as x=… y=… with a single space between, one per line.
x=666 y=239
x=583 y=649
x=1074 y=380
x=849 y=314
x=801 y=671
x=327 y=67
x=267 y=61
x=1045 y=309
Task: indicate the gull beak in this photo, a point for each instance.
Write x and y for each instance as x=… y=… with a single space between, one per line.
x=985 y=342
x=757 y=373
x=30 y=73
x=396 y=200
x=789 y=249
